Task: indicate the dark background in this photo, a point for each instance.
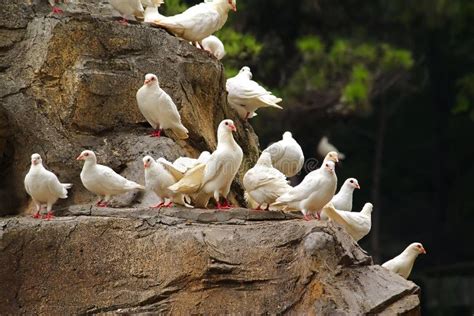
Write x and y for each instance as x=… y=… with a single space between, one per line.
x=405 y=121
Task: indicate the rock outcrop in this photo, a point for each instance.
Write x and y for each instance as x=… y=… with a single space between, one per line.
x=181 y=262
x=68 y=83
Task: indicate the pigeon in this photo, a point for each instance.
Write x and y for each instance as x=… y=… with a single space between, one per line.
x=158 y=179
x=263 y=183
x=199 y=21
x=102 y=180
x=246 y=95
x=214 y=45
x=128 y=9
x=159 y=109
x=403 y=263
x=313 y=193
x=214 y=178
x=151 y=9
x=325 y=146
x=287 y=155
x=184 y=164
x=342 y=201
x=357 y=224
x=44 y=187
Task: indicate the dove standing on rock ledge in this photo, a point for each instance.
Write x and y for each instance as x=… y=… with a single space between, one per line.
x=102 y=180
x=44 y=187
x=151 y=9
x=263 y=183
x=314 y=192
x=214 y=178
x=287 y=155
x=403 y=263
x=246 y=96
x=128 y=9
x=199 y=21
x=342 y=201
x=357 y=224
x=214 y=45
x=158 y=180
x=159 y=109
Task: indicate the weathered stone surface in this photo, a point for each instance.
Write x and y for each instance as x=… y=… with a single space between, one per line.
x=190 y=261
x=68 y=83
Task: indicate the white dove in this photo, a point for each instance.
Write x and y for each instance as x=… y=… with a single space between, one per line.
x=184 y=164
x=128 y=9
x=214 y=45
x=287 y=155
x=158 y=179
x=325 y=146
x=199 y=21
x=246 y=95
x=102 y=180
x=313 y=193
x=342 y=201
x=44 y=187
x=263 y=183
x=214 y=178
x=403 y=263
x=151 y=9
x=357 y=224
x=159 y=109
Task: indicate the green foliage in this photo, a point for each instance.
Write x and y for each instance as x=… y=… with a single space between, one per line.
x=356 y=91
x=310 y=46
x=172 y=7
x=465 y=98
x=396 y=58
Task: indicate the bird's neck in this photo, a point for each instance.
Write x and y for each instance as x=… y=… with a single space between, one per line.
x=89 y=164
x=222 y=7
x=225 y=138
x=36 y=168
x=409 y=256
x=346 y=190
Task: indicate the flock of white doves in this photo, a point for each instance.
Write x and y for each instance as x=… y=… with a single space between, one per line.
x=193 y=182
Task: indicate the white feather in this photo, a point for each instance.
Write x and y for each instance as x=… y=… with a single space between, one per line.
x=287 y=155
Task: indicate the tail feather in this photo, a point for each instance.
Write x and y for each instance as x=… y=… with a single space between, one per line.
x=191 y=182
x=181 y=132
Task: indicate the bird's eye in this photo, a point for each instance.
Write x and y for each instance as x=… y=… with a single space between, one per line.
x=226 y=123
x=86 y=154
x=418 y=246
x=352 y=181
x=327 y=165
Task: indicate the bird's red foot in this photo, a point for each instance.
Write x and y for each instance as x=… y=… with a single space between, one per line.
x=56 y=10
x=227 y=204
x=170 y=204
x=123 y=21
x=258 y=208
x=159 y=205
x=102 y=204
x=222 y=207
x=156 y=134
x=48 y=216
x=318 y=216
x=37 y=215
x=307 y=218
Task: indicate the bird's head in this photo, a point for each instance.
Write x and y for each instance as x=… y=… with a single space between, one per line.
x=150 y=79
x=352 y=183
x=245 y=70
x=332 y=156
x=147 y=161
x=287 y=135
x=228 y=125
x=36 y=160
x=329 y=166
x=416 y=248
x=265 y=159
x=233 y=5
x=87 y=155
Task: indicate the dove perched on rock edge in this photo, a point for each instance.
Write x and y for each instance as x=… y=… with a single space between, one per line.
x=325 y=146
x=214 y=45
x=214 y=178
x=159 y=109
x=403 y=263
x=342 y=201
x=246 y=96
x=199 y=21
x=263 y=183
x=313 y=193
x=102 y=180
x=128 y=9
x=158 y=179
x=44 y=187
x=185 y=163
x=287 y=155
x=151 y=9
x=356 y=224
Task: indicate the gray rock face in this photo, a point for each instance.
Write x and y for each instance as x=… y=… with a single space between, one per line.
x=68 y=83
x=183 y=261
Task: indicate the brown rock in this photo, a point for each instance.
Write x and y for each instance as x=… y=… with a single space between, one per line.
x=181 y=262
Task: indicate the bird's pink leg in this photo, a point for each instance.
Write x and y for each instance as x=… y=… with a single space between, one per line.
x=258 y=208
x=222 y=207
x=247 y=116
x=48 y=216
x=170 y=204
x=159 y=205
x=318 y=216
x=56 y=10
x=123 y=21
x=103 y=204
x=267 y=208
x=156 y=133
x=227 y=204
x=37 y=215
x=307 y=218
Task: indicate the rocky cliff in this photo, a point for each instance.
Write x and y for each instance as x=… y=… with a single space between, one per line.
x=181 y=262
x=68 y=83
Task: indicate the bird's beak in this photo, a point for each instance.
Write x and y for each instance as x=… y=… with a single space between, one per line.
x=358 y=186
x=147 y=81
x=145 y=165
x=423 y=251
x=80 y=157
x=233 y=128
x=234 y=8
